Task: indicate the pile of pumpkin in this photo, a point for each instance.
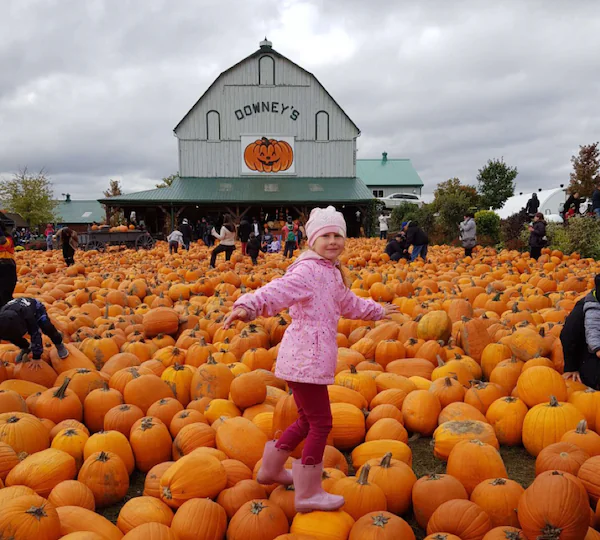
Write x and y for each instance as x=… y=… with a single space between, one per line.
x=155 y=383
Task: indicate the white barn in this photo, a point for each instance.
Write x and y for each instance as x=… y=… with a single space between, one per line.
x=551 y=204
x=265 y=139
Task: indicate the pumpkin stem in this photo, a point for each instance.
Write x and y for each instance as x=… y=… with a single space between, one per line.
x=62 y=390
x=380 y=520
x=581 y=428
x=257 y=507
x=363 y=479
x=146 y=423
x=71 y=432
x=434 y=476
x=386 y=460
x=103 y=457
x=553 y=401
x=550 y=533
x=13 y=420
x=498 y=482
x=38 y=512
x=440 y=361
x=353 y=369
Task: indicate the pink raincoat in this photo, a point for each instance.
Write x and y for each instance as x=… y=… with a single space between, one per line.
x=314 y=291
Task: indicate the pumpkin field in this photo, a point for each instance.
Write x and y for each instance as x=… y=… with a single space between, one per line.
x=451 y=420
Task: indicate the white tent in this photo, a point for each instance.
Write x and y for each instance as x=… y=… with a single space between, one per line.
x=551 y=204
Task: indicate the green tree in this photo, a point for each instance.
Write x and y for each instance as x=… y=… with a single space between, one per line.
x=488 y=227
x=586 y=170
x=167 y=181
x=31 y=196
x=451 y=210
x=453 y=186
x=115 y=215
x=496 y=183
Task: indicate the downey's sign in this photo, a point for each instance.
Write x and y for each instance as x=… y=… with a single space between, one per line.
x=269 y=107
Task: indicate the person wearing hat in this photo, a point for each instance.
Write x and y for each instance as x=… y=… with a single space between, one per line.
x=186 y=231
x=580 y=338
x=317 y=295
x=28 y=316
x=396 y=248
x=417 y=238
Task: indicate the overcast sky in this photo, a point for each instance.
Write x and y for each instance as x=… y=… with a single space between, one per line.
x=92 y=89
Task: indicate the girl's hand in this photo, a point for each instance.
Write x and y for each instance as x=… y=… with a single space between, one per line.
x=572 y=375
x=390 y=309
x=238 y=314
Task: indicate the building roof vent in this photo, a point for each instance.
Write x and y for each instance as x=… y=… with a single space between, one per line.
x=266 y=44
x=384 y=157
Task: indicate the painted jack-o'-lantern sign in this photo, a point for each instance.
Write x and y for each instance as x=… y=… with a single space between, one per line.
x=268 y=155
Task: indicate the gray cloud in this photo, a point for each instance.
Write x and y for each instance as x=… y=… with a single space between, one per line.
x=92 y=90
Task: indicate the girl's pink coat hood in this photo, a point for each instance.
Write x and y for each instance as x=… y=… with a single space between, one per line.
x=314 y=291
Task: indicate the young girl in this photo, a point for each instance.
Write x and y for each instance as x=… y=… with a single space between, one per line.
x=314 y=290
x=175 y=240
x=226 y=244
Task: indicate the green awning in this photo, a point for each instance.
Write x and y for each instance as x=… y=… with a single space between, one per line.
x=251 y=190
x=388 y=172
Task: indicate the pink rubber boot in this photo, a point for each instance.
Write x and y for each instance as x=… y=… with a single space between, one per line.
x=310 y=494
x=272 y=469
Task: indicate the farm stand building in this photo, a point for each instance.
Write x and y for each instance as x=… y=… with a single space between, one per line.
x=265 y=140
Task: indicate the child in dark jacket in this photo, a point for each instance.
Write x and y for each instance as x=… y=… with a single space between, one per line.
x=28 y=316
x=253 y=248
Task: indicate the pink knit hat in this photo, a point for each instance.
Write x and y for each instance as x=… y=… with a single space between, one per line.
x=324 y=221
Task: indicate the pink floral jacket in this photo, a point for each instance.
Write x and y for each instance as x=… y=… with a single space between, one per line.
x=314 y=291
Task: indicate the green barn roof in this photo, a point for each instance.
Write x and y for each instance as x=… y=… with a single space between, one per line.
x=387 y=172
x=253 y=189
x=70 y=211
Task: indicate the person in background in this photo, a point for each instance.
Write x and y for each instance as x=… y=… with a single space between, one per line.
x=533 y=204
x=49 y=234
x=175 y=240
x=314 y=290
x=266 y=239
x=580 y=339
x=596 y=201
x=574 y=203
x=69 y=242
x=301 y=233
x=418 y=239
x=253 y=248
x=383 y=226
x=468 y=233
x=275 y=245
x=133 y=218
x=289 y=226
x=537 y=236
x=186 y=231
x=226 y=244
x=396 y=248
x=29 y=316
x=244 y=231
x=8 y=266
x=256 y=227
x=208 y=238
x=290 y=245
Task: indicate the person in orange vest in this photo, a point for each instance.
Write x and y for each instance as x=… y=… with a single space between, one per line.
x=8 y=266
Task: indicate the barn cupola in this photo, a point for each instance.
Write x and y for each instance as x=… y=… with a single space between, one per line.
x=266 y=44
x=384 y=157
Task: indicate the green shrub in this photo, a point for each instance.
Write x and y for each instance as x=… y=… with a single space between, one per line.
x=403 y=212
x=583 y=235
x=511 y=231
x=488 y=227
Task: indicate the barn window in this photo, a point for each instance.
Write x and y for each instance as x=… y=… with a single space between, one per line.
x=322 y=126
x=213 y=126
x=378 y=193
x=266 y=70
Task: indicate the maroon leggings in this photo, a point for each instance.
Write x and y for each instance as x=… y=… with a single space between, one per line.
x=314 y=422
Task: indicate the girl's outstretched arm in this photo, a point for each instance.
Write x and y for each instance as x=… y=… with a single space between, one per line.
x=354 y=307
x=294 y=287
